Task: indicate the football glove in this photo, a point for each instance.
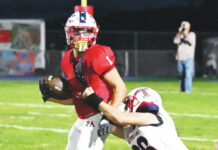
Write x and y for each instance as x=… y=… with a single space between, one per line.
x=55 y=87
x=104 y=127
x=44 y=89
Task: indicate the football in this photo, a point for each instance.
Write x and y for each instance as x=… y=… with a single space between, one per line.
x=59 y=87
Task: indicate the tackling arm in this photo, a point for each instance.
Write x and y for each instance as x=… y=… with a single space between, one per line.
x=122 y=118
x=116 y=115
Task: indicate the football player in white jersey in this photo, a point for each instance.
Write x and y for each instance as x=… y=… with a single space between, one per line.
x=146 y=126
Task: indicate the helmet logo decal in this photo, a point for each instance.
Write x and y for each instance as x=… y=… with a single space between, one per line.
x=82 y=17
x=143 y=91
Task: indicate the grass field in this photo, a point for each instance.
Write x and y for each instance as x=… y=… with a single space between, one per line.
x=26 y=123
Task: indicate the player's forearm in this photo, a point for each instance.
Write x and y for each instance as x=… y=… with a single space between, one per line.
x=110 y=112
x=122 y=118
x=64 y=102
x=138 y=119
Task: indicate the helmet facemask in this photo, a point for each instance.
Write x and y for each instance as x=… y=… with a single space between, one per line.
x=80 y=38
x=130 y=102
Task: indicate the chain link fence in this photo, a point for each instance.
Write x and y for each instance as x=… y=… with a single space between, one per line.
x=128 y=63
x=138 y=54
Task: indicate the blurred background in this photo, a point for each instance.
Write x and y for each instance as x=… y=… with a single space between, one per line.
x=140 y=32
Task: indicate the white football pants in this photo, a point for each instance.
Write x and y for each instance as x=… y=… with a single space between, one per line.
x=83 y=134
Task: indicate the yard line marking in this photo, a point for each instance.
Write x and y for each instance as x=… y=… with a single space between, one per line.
x=51 y=115
x=35 y=105
x=34 y=128
x=195 y=93
x=21 y=117
x=193 y=115
x=56 y=106
x=169 y=92
x=196 y=139
x=206 y=93
x=67 y=131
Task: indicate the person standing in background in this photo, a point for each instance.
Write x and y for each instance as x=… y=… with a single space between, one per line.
x=186 y=42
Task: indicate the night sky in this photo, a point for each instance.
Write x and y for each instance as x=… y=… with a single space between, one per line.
x=126 y=15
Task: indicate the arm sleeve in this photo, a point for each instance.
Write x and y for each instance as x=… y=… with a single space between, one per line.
x=192 y=38
x=103 y=61
x=177 y=39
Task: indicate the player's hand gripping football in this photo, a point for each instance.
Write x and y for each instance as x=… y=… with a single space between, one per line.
x=44 y=89
x=55 y=87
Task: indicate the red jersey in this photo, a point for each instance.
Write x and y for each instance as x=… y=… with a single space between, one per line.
x=98 y=60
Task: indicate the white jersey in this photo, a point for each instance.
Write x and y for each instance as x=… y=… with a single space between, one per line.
x=153 y=137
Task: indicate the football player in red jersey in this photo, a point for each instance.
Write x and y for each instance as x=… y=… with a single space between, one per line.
x=88 y=64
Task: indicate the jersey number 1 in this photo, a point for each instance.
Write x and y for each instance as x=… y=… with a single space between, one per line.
x=142 y=144
x=108 y=59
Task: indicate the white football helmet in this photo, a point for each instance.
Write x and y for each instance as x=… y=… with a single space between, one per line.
x=79 y=23
x=141 y=96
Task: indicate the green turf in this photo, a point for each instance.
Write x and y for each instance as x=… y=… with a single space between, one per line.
x=21 y=105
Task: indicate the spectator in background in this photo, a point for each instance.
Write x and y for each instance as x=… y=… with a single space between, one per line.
x=185 y=55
